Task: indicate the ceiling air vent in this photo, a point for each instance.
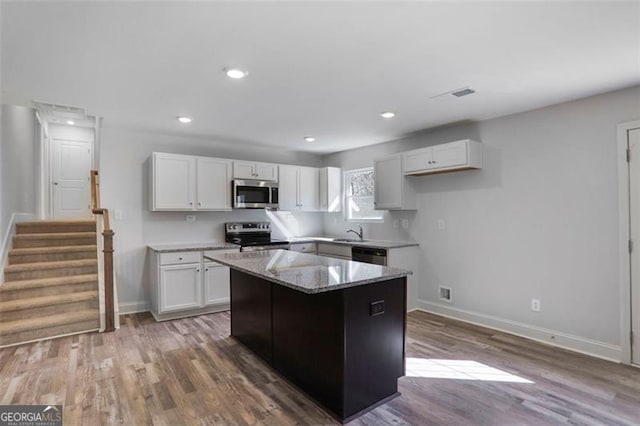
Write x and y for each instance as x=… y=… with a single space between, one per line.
x=463 y=92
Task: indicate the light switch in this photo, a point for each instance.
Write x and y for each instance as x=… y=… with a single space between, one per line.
x=441 y=224
x=405 y=223
x=190 y=218
x=117 y=214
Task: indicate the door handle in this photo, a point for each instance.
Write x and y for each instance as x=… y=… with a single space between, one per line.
x=55 y=183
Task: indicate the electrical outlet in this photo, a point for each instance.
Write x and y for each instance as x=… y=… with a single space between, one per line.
x=535 y=305
x=405 y=223
x=190 y=218
x=396 y=223
x=117 y=214
x=441 y=224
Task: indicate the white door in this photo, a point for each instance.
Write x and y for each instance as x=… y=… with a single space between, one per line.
x=173 y=182
x=388 y=182
x=243 y=170
x=308 y=188
x=266 y=171
x=180 y=287
x=213 y=184
x=216 y=284
x=450 y=154
x=70 y=172
x=288 y=188
x=634 y=205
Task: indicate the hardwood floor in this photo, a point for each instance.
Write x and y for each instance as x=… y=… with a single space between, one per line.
x=190 y=372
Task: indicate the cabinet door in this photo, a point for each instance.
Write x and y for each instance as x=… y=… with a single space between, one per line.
x=388 y=189
x=243 y=170
x=450 y=154
x=216 y=284
x=173 y=182
x=308 y=188
x=330 y=198
x=213 y=184
x=180 y=287
x=266 y=171
x=416 y=161
x=288 y=188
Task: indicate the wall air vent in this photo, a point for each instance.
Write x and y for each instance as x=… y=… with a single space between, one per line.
x=463 y=92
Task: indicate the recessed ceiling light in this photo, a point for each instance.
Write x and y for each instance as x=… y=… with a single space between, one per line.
x=185 y=120
x=387 y=114
x=235 y=73
x=71 y=122
x=309 y=138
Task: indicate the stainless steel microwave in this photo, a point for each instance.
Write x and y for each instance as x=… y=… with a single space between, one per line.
x=254 y=194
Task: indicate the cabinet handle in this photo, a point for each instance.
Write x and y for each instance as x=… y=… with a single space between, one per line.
x=190 y=203
x=199 y=203
x=179 y=258
x=206 y=269
x=197 y=269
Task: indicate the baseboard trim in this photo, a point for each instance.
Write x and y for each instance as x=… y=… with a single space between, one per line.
x=133 y=308
x=559 y=339
x=6 y=242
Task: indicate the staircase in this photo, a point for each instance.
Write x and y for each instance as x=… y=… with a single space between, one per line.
x=51 y=282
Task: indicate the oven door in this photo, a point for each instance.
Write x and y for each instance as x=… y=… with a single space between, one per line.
x=248 y=194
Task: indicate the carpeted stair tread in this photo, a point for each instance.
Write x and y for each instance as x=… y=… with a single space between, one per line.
x=57 y=226
x=18 y=326
x=54 y=235
x=38 y=302
x=58 y=249
x=47 y=282
x=59 y=264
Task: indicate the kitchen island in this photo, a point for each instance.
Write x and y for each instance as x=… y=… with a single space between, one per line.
x=334 y=328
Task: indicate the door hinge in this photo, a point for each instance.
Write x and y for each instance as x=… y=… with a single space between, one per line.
x=630 y=246
x=628 y=155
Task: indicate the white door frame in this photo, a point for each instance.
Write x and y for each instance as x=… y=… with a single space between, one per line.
x=625 y=235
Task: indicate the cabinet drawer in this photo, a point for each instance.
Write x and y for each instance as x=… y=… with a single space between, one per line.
x=213 y=252
x=180 y=257
x=304 y=247
x=334 y=250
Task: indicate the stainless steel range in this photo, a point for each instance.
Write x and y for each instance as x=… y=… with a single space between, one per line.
x=252 y=236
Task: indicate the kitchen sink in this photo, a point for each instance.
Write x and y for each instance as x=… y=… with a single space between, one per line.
x=349 y=240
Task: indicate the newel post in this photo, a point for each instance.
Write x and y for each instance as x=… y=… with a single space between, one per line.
x=108 y=280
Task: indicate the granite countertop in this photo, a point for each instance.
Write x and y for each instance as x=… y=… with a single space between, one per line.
x=364 y=243
x=308 y=273
x=208 y=245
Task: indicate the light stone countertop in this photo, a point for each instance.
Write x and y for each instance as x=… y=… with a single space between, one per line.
x=208 y=245
x=308 y=273
x=364 y=243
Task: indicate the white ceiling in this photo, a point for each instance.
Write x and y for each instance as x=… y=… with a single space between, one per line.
x=321 y=69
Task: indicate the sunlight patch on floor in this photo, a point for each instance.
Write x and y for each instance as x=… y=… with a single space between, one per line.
x=458 y=369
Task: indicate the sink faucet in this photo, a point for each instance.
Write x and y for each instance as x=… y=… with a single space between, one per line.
x=359 y=234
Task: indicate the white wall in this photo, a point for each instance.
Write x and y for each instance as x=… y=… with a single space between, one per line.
x=19 y=162
x=539 y=221
x=124 y=186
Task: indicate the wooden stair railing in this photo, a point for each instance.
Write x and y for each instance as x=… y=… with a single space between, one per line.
x=107 y=233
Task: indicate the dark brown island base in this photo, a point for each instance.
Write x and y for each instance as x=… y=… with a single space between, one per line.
x=334 y=328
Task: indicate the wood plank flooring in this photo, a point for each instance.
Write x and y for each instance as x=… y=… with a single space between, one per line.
x=190 y=372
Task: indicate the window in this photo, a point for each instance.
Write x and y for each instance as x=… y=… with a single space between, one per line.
x=359 y=195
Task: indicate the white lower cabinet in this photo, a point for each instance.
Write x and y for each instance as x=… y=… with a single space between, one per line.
x=180 y=287
x=184 y=285
x=216 y=284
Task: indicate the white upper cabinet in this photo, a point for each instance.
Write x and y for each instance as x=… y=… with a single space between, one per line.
x=288 y=188
x=453 y=156
x=392 y=191
x=173 y=180
x=298 y=188
x=253 y=170
x=213 y=184
x=330 y=199
x=184 y=182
